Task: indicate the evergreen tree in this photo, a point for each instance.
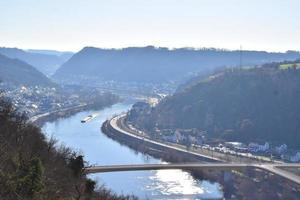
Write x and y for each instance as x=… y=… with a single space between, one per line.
x=32 y=182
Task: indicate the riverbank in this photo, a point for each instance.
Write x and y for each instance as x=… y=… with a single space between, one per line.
x=98 y=149
x=155 y=148
x=40 y=119
x=119 y=130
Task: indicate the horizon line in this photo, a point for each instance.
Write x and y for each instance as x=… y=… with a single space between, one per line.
x=154 y=46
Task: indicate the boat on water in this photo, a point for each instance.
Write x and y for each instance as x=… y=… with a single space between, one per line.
x=89 y=118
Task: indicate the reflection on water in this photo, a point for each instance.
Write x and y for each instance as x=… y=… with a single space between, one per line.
x=100 y=150
x=181 y=184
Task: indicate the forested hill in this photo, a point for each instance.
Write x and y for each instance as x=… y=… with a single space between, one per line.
x=17 y=72
x=256 y=104
x=156 y=65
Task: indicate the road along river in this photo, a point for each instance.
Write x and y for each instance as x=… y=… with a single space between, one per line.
x=101 y=150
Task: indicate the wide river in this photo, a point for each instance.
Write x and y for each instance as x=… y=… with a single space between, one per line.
x=101 y=150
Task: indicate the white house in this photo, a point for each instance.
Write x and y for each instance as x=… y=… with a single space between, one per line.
x=281 y=149
x=296 y=157
x=254 y=147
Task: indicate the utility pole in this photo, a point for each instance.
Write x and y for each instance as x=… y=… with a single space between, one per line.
x=241 y=56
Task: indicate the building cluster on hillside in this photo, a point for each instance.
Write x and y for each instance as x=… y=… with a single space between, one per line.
x=37 y=99
x=275 y=151
x=196 y=138
x=186 y=137
x=123 y=87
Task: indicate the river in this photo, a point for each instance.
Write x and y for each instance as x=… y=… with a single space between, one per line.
x=101 y=150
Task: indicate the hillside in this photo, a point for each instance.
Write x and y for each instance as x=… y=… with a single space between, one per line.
x=17 y=72
x=256 y=104
x=43 y=61
x=33 y=167
x=155 y=65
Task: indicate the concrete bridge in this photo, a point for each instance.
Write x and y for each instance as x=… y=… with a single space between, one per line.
x=278 y=169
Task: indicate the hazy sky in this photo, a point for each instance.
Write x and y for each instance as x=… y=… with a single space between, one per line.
x=272 y=25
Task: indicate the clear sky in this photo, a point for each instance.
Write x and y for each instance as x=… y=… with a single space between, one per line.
x=272 y=25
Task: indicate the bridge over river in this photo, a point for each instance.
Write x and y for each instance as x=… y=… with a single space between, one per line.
x=278 y=169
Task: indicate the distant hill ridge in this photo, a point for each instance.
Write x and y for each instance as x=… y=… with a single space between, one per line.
x=156 y=65
x=43 y=60
x=17 y=72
